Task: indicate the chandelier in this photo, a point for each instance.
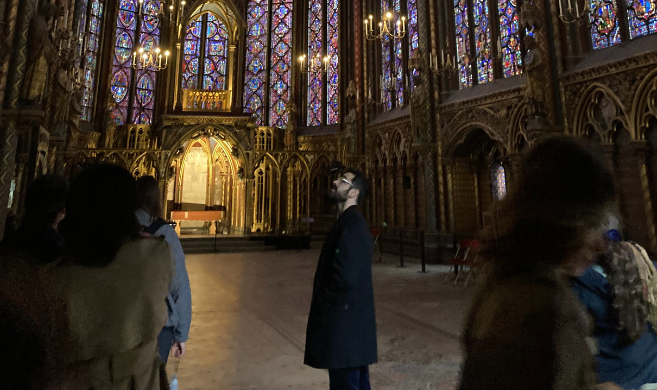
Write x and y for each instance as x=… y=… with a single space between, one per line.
x=387 y=27
x=314 y=65
x=150 y=59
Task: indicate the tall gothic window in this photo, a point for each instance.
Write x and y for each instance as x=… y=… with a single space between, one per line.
x=271 y=72
x=608 y=27
x=509 y=37
x=477 y=50
x=393 y=63
x=205 y=53
x=323 y=41
x=90 y=23
x=134 y=90
x=498 y=181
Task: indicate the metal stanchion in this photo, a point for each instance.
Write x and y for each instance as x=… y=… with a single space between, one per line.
x=422 y=252
x=401 y=248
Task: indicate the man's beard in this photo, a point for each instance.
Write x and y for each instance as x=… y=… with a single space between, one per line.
x=337 y=197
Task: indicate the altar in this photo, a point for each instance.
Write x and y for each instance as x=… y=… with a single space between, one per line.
x=198 y=216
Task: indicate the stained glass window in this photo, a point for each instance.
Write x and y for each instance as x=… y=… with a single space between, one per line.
x=509 y=37
x=498 y=181
x=386 y=63
x=216 y=54
x=315 y=52
x=273 y=72
x=126 y=25
x=605 y=31
x=642 y=16
x=462 y=35
x=413 y=33
x=205 y=53
x=192 y=53
x=149 y=38
x=281 y=62
x=256 y=59
x=333 y=48
x=482 y=41
x=90 y=46
x=399 y=58
x=138 y=106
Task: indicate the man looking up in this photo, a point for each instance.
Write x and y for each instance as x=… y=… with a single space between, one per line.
x=341 y=331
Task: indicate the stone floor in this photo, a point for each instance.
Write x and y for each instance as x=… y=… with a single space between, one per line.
x=249 y=319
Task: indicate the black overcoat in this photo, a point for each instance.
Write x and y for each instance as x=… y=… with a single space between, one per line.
x=341 y=330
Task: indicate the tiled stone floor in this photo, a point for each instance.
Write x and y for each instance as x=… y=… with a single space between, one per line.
x=249 y=321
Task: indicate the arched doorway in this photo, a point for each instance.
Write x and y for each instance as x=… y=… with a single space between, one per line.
x=476 y=180
x=203 y=175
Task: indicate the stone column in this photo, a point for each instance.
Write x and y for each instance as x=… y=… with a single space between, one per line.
x=248 y=204
x=421 y=199
x=399 y=197
x=450 y=196
x=390 y=195
x=410 y=217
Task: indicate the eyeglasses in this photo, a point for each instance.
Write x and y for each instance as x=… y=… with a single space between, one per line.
x=344 y=179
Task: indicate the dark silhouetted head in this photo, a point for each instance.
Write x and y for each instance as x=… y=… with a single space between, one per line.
x=100 y=214
x=149 y=196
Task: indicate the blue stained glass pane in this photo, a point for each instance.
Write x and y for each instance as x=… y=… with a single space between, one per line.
x=214 y=73
x=256 y=56
x=642 y=17
x=483 y=46
x=605 y=31
x=509 y=37
x=462 y=42
x=280 y=61
x=332 y=114
x=315 y=55
x=192 y=53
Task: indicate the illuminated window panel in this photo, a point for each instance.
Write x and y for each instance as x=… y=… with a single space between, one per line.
x=256 y=59
x=510 y=37
x=462 y=42
x=90 y=48
x=192 y=53
x=642 y=17
x=605 y=31
x=126 y=26
x=281 y=62
x=332 y=75
x=483 y=47
x=315 y=47
x=498 y=181
x=216 y=54
x=144 y=100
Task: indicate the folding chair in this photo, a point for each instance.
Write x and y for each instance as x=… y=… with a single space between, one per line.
x=375 y=235
x=469 y=252
x=472 y=262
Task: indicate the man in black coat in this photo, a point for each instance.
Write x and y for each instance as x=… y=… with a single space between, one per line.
x=341 y=332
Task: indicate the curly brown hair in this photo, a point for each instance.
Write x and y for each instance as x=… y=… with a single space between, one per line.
x=620 y=264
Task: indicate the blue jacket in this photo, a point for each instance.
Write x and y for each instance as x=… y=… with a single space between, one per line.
x=630 y=366
x=179 y=300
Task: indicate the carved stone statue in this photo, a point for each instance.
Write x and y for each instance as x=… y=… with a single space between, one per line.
x=351 y=119
x=109 y=126
x=535 y=82
x=41 y=53
x=290 y=128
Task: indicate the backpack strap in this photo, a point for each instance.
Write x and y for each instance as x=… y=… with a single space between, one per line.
x=155 y=226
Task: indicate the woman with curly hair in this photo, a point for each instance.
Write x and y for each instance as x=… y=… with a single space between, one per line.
x=526 y=329
x=620 y=292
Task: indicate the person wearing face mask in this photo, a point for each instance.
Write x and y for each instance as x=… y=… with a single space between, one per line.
x=620 y=293
x=341 y=331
